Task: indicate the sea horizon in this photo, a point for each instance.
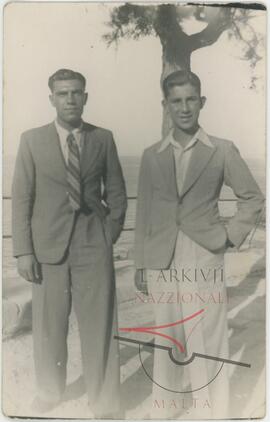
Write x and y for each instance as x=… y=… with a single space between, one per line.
x=131 y=166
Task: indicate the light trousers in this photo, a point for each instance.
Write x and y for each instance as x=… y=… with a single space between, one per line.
x=195 y=284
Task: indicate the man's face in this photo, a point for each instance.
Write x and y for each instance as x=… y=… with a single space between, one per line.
x=184 y=105
x=69 y=98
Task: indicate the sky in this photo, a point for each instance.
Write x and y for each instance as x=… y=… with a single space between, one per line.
x=123 y=83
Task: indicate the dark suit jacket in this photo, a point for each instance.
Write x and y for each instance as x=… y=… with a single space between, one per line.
x=161 y=212
x=42 y=217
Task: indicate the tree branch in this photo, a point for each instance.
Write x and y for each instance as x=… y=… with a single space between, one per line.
x=210 y=34
x=251 y=45
x=129 y=21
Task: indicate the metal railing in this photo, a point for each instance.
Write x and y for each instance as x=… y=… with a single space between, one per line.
x=126 y=229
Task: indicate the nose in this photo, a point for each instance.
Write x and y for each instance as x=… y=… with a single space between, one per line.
x=185 y=107
x=70 y=98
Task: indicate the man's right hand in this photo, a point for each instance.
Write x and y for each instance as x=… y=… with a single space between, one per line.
x=140 y=282
x=29 y=268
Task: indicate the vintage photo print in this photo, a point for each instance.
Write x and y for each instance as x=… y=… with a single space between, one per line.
x=134 y=210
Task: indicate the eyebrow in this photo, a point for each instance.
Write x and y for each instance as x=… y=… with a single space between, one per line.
x=191 y=97
x=64 y=91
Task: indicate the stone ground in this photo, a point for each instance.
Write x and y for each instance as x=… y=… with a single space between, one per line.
x=246 y=317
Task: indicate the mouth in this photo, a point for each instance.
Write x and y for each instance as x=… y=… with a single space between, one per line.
x=71 y=110
x=185 y=117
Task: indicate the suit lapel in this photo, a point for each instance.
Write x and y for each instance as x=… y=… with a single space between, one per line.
x=198 y=161
x=166 y=163
x=91 y=149
x=55 y=155
x=200 y=157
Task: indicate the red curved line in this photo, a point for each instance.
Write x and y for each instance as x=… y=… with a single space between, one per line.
x=177 y=343
x=147 y=331
x=140 y=329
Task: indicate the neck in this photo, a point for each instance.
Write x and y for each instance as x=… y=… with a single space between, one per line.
x=184 y=136
x=69 y=126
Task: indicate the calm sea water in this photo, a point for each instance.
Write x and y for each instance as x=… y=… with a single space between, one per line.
x=12 y=287
x=131 y=167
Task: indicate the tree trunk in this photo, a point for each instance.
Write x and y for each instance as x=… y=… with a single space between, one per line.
x=176 y=48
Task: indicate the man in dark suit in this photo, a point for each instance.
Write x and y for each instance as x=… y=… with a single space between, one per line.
x=180 y=242
x=69 y=204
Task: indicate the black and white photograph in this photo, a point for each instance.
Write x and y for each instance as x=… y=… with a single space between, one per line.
x=134 y=221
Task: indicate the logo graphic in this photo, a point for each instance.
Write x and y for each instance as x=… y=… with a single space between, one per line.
x=157 y=331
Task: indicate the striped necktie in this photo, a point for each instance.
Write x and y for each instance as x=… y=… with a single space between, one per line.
x=74 y=173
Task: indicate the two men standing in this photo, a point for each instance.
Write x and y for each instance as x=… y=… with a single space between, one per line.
x=69 y=204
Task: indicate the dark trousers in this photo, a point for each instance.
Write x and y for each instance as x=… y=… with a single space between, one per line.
x=85 y=277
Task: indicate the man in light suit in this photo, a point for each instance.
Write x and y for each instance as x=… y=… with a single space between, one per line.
x=69 y=204
x=180 y=239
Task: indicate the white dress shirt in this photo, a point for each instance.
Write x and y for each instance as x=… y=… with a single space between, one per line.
x=63 y=134
x=182 y=155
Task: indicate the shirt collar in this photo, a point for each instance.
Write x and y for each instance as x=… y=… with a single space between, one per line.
x=200 y=135
x=63 y=133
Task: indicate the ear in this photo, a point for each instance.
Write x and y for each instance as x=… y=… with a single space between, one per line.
x=164 y=103
x=85 y=98
x=203 y=101
x=51 y=97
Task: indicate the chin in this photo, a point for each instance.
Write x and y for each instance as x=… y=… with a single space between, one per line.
x=73 y=119
x=186 y=127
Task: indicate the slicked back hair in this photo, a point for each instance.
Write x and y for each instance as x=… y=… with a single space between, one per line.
x=178 y=78
x=65 y=75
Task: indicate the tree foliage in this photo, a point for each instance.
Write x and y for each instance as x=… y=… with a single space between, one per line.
x=166 y=21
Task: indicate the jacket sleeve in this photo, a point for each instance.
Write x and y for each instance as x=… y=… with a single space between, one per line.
x=250 y=199
x=144 y=198
x=114 y=190
x=23 y=194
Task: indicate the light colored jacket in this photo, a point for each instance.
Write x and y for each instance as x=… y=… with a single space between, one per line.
x=161 y=212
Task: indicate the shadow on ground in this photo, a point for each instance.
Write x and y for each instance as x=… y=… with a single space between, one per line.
x=248 y=336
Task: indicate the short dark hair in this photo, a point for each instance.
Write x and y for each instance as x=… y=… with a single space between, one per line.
x=65 y=75
x=178 y=78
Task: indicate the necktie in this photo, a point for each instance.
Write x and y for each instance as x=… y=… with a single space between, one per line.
x=74 y=173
